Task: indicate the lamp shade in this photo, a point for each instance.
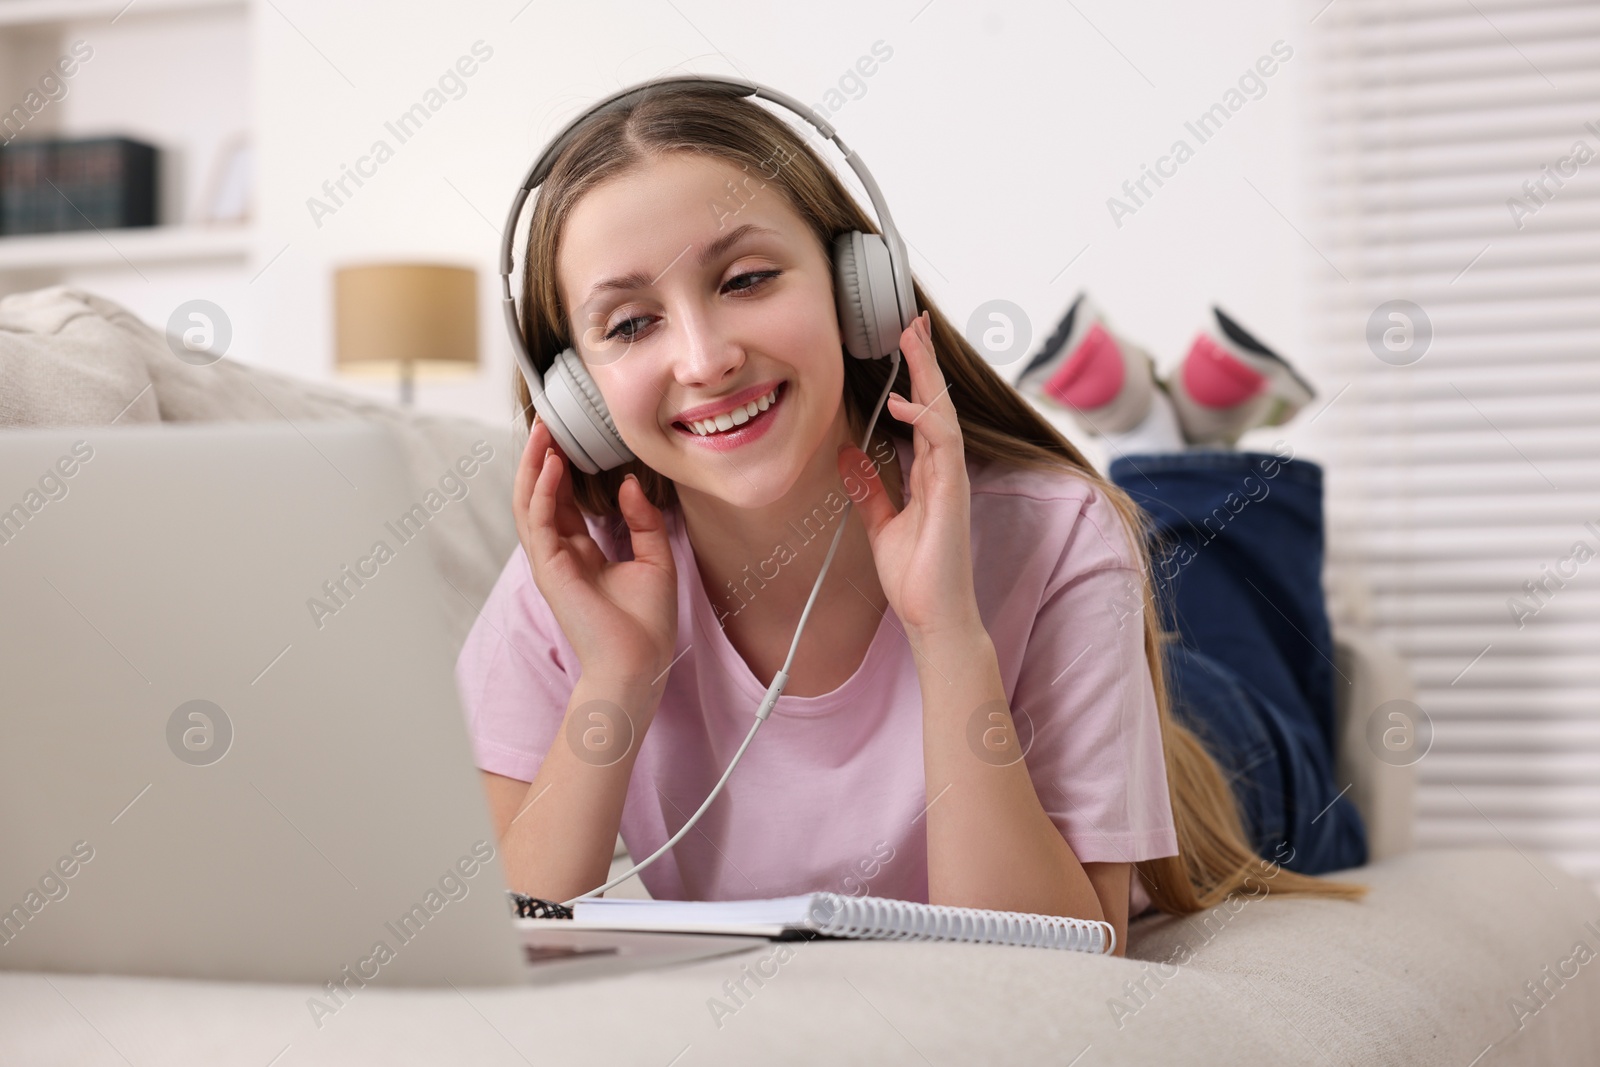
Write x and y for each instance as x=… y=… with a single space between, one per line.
x=393 y=319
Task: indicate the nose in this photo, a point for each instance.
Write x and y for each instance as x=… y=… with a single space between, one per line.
x=707 y=357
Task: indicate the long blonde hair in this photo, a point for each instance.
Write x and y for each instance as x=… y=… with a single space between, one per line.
x=1215 y=859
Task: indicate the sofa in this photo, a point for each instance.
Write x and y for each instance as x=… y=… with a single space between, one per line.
x=1457 y=957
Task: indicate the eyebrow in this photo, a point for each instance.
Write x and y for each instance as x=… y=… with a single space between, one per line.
x=640 y=280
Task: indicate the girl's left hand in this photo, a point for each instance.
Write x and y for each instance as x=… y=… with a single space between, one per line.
x=923 y=552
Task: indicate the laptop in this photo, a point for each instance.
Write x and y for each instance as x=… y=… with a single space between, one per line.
x=233 y=745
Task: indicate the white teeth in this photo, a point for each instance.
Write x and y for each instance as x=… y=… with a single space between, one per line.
x=736 y=417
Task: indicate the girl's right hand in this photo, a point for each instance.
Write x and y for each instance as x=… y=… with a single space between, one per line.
x=618 y=617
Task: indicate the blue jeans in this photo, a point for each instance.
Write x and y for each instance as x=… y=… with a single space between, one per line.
x=1237 y=558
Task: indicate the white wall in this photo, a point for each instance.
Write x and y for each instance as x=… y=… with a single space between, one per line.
x=996 y=134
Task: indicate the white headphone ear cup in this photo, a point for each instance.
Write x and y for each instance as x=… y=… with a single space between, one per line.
x=577 y=417
x=847 y=295
x=864 y=289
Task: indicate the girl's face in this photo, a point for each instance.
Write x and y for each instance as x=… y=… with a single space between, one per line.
x=685 y=298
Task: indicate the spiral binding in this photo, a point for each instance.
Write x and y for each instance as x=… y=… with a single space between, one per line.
x=879 y=918
x=882 y=919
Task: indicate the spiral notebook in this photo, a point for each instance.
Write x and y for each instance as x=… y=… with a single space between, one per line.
x=812 y=915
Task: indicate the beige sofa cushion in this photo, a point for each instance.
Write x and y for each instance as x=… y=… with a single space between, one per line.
x=1425 y=971
x=65 y=361
x=78 y=359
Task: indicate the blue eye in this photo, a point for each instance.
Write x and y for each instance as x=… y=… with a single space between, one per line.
x=761 y=276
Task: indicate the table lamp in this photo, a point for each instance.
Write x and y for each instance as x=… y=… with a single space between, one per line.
x=410 y=319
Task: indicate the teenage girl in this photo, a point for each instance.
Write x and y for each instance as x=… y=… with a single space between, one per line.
x=978 y=713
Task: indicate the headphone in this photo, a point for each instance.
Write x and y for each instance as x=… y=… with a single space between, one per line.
x=873 y=295
x=871 y=274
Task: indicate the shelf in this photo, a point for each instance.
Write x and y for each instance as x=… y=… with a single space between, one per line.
x=118 y=248
x=46 y=12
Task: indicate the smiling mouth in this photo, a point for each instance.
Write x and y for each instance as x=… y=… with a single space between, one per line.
x=728 y=422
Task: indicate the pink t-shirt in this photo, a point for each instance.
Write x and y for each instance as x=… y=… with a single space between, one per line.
x=830 y=794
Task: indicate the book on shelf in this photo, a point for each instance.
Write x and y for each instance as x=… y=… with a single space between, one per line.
x=57 y=186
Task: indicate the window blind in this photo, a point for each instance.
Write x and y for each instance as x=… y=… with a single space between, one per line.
x=1454 y=165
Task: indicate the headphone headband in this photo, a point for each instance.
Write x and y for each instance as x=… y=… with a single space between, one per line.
x=898 y=259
